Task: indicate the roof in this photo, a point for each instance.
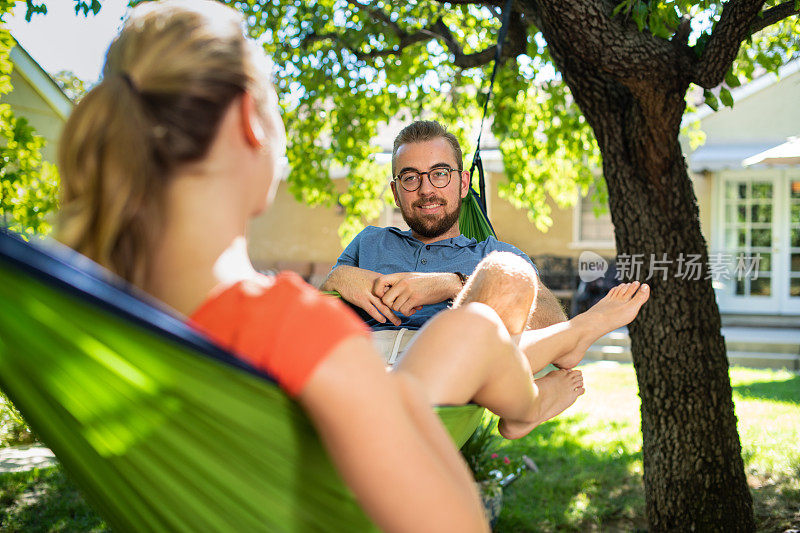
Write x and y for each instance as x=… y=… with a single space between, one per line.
x=749 y=89
x=712 y=157
x=40 y=80
x=787 y=153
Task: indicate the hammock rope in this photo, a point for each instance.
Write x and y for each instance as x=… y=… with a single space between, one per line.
x=477 y=162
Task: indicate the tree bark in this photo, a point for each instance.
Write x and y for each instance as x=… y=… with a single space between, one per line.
x=693 y=470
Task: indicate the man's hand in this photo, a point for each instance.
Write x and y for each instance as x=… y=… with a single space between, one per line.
x=407 y=292
x=355 y=285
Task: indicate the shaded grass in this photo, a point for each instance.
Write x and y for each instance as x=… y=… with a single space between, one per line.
x=44 y=500
x=590 y=458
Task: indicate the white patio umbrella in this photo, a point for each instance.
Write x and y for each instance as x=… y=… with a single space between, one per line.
x=787 y=153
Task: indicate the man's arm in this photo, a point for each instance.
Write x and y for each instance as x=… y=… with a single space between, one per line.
x=355 y=285
x=548 y=310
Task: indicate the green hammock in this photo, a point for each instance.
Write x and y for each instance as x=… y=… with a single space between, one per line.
x=472 y=221
x=161 y=429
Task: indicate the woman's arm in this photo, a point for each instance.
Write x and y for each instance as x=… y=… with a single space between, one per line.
x=388 y=445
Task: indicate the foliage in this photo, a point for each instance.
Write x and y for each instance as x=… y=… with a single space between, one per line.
x=483 y=452
x=345 y=68
x=40 y=8
x=28 y=184
x=13 y=428
x=27 y=194
x=72 y=85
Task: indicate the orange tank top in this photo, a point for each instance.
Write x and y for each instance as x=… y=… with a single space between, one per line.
x=278 y=324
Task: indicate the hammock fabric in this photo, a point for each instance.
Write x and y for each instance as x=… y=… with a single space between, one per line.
x=161 y=429
x=472 y=220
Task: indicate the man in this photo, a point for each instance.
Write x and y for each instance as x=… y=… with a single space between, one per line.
x=402 y=278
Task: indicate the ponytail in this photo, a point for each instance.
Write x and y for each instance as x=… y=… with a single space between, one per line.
x=169 y=77
x=112 y=213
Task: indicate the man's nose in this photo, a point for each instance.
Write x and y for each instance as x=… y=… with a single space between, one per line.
x=426 y=188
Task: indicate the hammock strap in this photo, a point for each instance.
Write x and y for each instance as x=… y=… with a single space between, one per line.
x=476 y=160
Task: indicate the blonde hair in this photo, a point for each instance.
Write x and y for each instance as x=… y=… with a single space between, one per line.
x=168 y=79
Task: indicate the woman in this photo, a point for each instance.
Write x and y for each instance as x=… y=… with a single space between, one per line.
x=164 y=162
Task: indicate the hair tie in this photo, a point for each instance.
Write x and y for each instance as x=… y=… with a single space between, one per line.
x=129 y=81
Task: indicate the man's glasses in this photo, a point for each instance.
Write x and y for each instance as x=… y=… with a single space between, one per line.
x=411 y=180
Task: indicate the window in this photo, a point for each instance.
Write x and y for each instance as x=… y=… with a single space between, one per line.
x=591 y=228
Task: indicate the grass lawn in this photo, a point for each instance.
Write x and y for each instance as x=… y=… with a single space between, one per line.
x=590 y=458
x=590 y=463
x=44 y=500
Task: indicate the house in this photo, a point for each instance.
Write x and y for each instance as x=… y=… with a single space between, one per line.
x=39 y=99
x=750 y=199
x=746 y=207
x=747 y=183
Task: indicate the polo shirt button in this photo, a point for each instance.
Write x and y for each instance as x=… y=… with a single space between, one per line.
x=428 y=247
x=424 y=261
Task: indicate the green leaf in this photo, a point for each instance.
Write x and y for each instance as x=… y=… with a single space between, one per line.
x=639 y=15
x=711 y=100
x=622 y=5
x=731 y=79
x=725 y=97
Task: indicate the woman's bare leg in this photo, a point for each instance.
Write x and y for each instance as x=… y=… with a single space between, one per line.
x=565 y=344
x=508 y=284
x=466 y=354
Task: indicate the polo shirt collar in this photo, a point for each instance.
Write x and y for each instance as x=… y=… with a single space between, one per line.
x=460 y=241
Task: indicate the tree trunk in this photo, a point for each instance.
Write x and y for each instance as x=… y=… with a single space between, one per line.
x=693 y=469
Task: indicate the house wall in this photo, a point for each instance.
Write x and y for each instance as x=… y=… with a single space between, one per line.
x=771 y=113
x=704 y=186
x=291 y=234
x=512 y=225
x=26 y=102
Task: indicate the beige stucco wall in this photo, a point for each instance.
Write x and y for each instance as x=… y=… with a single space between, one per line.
x=512 y=225
x=26 y=102
x=293 y=232
x=704 y=190
x=770 y=113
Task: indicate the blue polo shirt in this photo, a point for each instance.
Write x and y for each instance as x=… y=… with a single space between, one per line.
x=390 y=250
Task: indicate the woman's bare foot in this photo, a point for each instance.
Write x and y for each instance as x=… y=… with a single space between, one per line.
x=557 y=390
x=618 y=308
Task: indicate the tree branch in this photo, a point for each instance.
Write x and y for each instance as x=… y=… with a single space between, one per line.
x=723 y=45
x=516 y=44
x=614 y=45
x=517 y=39
x=379 y=14
x=490 y=3
x=406 y=40
x=773 y=15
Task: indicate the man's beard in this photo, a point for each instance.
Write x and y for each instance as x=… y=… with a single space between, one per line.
x=434 y=228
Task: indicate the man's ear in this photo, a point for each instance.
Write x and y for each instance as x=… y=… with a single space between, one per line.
x=251 y=122
x=465 y=182
x=393 y=185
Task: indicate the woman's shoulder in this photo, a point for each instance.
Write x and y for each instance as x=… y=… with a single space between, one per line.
x=255 y=292
x=278 y=323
